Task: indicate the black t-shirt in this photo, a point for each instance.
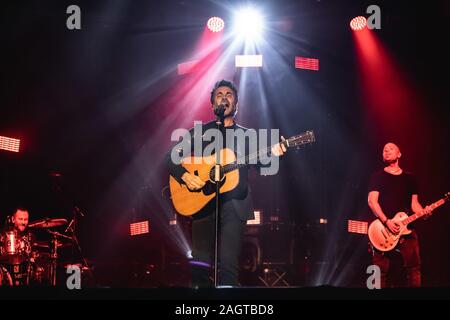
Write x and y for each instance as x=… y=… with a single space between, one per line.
x=395 y=191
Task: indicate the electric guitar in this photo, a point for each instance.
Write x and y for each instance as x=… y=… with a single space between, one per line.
x=384 y=240
x=188 y=202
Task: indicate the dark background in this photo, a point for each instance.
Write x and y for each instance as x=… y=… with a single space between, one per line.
x=93 y=111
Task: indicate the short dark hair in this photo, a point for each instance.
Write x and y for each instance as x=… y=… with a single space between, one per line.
x=224 y=83
x=21 y=208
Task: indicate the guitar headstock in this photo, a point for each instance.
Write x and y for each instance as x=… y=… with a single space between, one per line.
x=301 y=139
x=447 y=196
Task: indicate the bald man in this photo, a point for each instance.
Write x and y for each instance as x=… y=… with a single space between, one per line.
x=392 y=190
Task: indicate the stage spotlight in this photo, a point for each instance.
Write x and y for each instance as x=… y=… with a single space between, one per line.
x=257 y=220
x=248 y=23
x=215 y=24
x=307 y=63
x=355 y=226
x=9 y=144
x=242 y=61
x=358 y=23
x=138 y=228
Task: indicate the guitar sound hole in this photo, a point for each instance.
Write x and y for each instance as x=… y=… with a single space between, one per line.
x=212 y=174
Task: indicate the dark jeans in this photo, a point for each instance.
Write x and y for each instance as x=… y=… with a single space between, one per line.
x=231 y=230
x=408 y=252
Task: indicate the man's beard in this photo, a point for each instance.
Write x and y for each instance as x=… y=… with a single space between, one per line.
x=228 y=110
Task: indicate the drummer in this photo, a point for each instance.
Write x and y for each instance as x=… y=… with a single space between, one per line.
x=20 y=220
x=19 y=224
x=12 y=258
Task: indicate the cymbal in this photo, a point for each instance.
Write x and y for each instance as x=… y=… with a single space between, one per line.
x=40 y=244
x=47 y=244
x=48 y=223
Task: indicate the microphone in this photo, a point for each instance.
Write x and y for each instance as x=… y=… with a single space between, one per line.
x=220 y=110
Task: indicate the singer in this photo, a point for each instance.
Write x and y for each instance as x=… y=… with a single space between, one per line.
x=235 y=206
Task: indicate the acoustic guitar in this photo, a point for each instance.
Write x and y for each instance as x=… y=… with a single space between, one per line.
x=188 y=202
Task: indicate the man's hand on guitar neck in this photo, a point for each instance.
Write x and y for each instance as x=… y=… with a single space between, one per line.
x=279 y=149
x=192 y=181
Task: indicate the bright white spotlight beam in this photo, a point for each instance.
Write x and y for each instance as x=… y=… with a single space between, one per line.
x=242 y=61
x=248 y=23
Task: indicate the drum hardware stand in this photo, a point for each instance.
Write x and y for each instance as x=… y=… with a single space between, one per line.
x=53 y=259
x=54 y=254
x=72 y=228
x=73 y=223
x=273 y=276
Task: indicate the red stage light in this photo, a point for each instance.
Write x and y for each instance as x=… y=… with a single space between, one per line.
x=187 y=67
x=307 y=63
x=215 y=24
x=355 y=226
x=138 y=228
x=9 y=144
x=358 y=23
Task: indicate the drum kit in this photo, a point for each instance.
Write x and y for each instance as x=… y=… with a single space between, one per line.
x=25 y=261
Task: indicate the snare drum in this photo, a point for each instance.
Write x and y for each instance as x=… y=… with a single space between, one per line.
x=14 y=249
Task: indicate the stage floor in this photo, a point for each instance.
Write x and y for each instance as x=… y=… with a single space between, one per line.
x=241 y=294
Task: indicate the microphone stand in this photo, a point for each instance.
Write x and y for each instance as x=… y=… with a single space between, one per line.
x=219 y=120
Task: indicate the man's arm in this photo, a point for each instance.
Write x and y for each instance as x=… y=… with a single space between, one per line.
x=375 y=206
x=417 y=207
x=176 y=170
x=378 y=212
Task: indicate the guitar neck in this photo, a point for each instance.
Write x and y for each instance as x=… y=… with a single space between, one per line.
x=419 y=215
x=244 y=161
